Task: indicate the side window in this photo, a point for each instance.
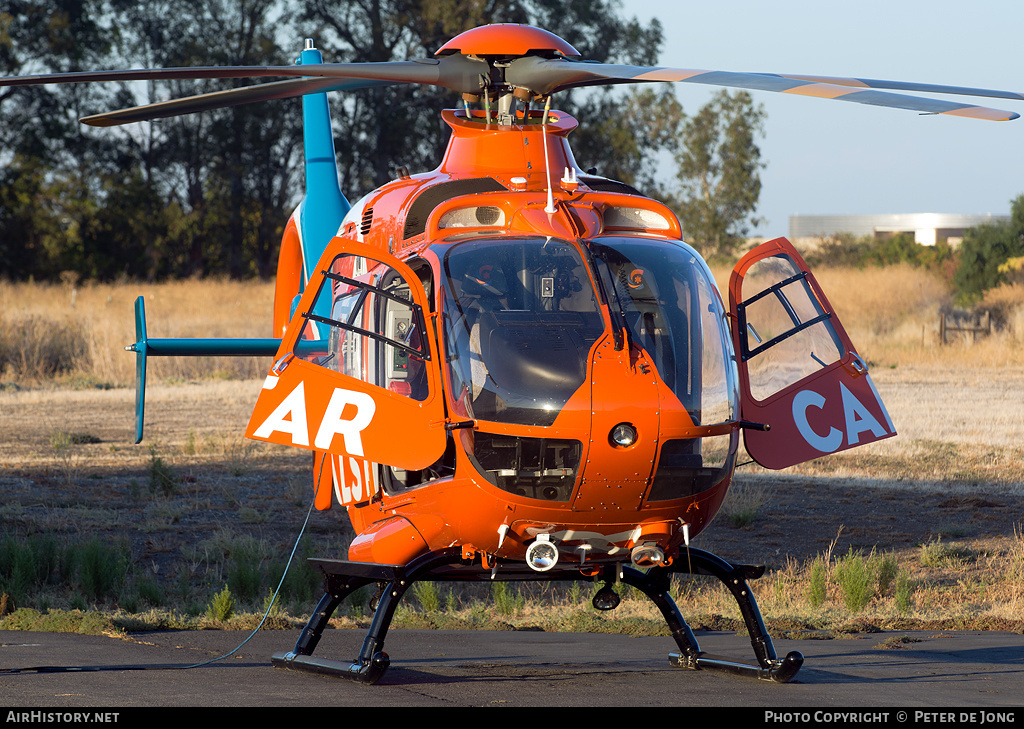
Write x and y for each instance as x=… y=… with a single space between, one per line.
x=372 y=331
x=785 y=333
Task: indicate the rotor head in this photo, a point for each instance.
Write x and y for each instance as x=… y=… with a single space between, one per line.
x=507 y=40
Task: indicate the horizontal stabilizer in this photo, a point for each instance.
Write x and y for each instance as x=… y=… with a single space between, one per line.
x=184 y=347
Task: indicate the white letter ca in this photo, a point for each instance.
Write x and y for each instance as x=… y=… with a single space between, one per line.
x=858 y=418
x=803 y=400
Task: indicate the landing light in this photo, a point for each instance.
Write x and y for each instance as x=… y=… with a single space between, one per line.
x=542 y=555
x=635 y=218
x=623 y=435
x=647 y=555
x=485 y=216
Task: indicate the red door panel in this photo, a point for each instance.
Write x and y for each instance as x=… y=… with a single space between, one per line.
x=799 y=372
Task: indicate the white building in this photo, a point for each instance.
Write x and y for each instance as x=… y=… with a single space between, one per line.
x=928 y=228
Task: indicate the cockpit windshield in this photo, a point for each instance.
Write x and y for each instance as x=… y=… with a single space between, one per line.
x=667 y=302
x=521 y=317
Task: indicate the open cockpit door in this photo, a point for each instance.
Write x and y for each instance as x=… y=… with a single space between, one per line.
x=799 y=373
x=357 y=374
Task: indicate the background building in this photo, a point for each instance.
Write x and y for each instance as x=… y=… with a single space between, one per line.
x=927 y=228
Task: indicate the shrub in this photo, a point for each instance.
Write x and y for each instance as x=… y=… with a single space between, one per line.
x=884 y=568
x=428 y=596
x=855 y=581
x=37 y=347
x=936 y=554
x=849 y=251
x=222 y=606
x=162 y=478
x=743 y=503
x=506 y=600
x=245 y=576
x=904 y=591
x=985 y=249
x=100 y=569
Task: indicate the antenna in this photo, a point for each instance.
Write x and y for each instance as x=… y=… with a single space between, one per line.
x=550 y=208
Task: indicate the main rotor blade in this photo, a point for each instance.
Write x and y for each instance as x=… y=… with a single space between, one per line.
x=544 y=76
x=458 y=73
x=870 y=83
x=151 y=74
x=229 y=97
x=540 y=75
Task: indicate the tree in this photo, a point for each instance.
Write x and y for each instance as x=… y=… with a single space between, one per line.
x=232 y=171
x=719 y=167
x=625 y=133
x=380 y=129
x=984 y=249
x=45 y=157
x=210 y=193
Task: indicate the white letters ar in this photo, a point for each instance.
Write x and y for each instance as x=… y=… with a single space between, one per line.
x=289 y=417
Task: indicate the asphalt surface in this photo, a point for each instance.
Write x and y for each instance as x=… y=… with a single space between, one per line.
x=926 y=672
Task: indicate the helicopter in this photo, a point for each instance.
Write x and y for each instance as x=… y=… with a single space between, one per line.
x=512 y=369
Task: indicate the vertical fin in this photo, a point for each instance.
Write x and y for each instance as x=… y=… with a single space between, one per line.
x=324 y=205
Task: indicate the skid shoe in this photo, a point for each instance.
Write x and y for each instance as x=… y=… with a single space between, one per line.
x=342 y=578
x=655 y=584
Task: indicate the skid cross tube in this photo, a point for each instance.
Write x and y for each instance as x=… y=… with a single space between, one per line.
x=342 y=578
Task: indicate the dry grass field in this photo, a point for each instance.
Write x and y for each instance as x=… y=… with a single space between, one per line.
x=931 y=520
x=76 y=336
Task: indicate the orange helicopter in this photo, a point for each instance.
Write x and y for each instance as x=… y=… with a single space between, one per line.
x=509 y=368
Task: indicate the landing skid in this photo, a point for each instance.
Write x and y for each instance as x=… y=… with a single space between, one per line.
x=342 y=578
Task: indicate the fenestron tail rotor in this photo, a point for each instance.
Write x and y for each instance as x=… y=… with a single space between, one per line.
x=502 y=59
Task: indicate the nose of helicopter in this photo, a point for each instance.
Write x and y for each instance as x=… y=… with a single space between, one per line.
x=625 y=430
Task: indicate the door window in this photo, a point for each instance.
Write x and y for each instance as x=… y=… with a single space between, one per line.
x=375 y=332
x=785 y=333
x=800 y=376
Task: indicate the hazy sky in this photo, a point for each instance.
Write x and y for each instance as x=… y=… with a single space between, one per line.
x=831 y=157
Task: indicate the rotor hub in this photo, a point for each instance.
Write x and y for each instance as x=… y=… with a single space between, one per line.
x=505 y=40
